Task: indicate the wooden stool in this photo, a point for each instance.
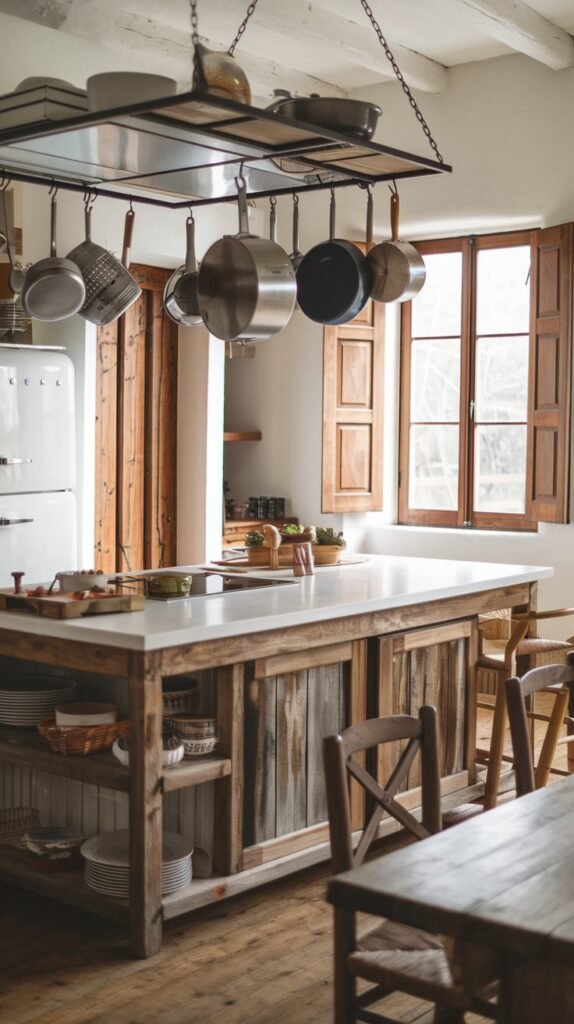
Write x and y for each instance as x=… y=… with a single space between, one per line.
x=501 y=657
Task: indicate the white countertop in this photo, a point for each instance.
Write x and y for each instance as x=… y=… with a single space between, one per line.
x=383 y=582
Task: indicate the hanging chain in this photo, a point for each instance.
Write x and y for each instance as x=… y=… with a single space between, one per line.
x=401 y=79
x=242 y=27
x=194 y=22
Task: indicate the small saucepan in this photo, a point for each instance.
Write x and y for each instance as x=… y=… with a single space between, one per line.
x=398 y=268
x=334 y=279
x=53 y=288
x=180 y=297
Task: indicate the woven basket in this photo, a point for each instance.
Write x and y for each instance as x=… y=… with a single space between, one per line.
x=82 y=739
x=15 y=822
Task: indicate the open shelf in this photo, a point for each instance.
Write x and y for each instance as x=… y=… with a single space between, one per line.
x=67 y=886
x=26 y=748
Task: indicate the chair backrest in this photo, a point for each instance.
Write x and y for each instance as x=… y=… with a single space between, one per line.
x=561 y=679
x=343 y=755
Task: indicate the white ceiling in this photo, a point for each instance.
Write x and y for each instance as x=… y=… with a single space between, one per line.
x=325 y=46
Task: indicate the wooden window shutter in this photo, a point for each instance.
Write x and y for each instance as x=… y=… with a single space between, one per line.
x=550 y=375
x=353 y=413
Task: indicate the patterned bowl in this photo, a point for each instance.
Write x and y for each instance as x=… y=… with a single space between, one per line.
x=196 y=748
x=190 y=727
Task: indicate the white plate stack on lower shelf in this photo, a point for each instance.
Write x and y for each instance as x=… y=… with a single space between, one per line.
x=27 y=700
x=107 y=868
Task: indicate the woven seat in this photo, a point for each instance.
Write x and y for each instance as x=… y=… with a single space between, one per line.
x=427 y=971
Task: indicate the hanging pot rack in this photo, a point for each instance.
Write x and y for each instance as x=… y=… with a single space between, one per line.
x=186 y=150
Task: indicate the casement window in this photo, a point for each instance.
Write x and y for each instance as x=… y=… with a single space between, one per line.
x=485 y=383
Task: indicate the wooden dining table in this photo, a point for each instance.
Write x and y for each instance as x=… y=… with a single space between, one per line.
x=503 y=880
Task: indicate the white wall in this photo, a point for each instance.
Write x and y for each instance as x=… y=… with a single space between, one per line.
x=506 y=126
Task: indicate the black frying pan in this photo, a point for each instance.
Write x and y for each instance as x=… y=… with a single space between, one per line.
x=333 y=279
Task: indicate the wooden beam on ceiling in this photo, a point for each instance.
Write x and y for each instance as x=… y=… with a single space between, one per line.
x=347 y=40
x=167 y=48
x=523 y=29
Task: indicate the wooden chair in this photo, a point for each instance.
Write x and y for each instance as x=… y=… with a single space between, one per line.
x=392 y=956
x=502 y=655
x=559 y=680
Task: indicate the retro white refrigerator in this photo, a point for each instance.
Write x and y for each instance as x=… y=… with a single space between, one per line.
x=38 y=520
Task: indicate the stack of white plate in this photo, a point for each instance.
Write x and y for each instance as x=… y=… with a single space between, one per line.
x=26 y=700
x=107 y=859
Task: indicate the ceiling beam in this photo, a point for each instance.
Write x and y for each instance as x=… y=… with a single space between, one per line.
x=523 y=29
x=347 y=40
x=168 y=48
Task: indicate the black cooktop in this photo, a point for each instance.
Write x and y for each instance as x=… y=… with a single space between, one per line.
x=206 y=584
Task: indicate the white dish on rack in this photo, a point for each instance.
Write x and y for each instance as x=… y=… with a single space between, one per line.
x=123 y=88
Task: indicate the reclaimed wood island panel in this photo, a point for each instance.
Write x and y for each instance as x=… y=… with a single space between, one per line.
x=280 y=669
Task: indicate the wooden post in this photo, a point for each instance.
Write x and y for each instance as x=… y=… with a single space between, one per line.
x=470 y=704
x=144 y=684
x=358 y=713
x=228 y=837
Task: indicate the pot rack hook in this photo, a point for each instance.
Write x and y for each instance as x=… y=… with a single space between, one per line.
x=393 y=188
x=295 y=199
x=4 y=182
x=272 y=201
x=54 y=189
x=90 y=196
x=131 y=206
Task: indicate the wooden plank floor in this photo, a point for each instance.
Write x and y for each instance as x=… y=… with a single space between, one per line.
x=262 y=958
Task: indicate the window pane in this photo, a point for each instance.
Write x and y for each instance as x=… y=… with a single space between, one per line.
x=503 y=290
x=435 y=380
x=436 y=310
x=501 y=379
x=433 y=479
x=500 y=469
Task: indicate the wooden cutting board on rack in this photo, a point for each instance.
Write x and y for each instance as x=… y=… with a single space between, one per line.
x=65 y=606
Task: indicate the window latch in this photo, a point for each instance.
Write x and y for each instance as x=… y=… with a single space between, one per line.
x=471 y=409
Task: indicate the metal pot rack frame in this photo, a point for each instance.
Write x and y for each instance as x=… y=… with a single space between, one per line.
x=192 y=146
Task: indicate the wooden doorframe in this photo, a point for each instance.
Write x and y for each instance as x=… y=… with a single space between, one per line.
x=136 y=433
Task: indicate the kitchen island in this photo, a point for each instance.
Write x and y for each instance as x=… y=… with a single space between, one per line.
x=280 y=668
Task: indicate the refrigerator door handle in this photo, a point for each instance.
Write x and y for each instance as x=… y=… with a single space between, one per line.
x=7 y=460
x=12 y=522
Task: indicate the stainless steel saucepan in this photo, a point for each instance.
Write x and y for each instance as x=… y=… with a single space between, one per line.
x=398 y=268
x=54 y=287
x=180 y=298
x=246 y=284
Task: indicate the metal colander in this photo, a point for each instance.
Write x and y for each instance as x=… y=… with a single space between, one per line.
x=110 y=288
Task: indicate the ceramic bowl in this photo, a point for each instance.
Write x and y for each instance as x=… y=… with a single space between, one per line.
x=83 y=713
x=173 y=751
x=70 y=581
x=180 y=696
x=190 y=727
x=124 y=88
x=197 y=748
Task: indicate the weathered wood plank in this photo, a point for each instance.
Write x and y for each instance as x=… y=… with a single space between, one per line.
x=291 y=746
x=131 y=437
x=228 y=825
x=323 y=710
x=279 y=664
x=146 y=716
x=160 y=427
x=106 y=451
x=260 y=736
